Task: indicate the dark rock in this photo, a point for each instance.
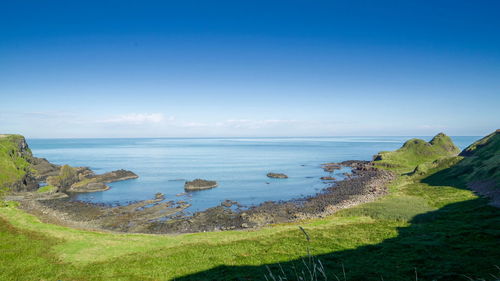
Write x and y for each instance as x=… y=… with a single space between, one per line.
x=90 y=182
x=277 y=175
x=118 y=175
x=199 y=184
x=330 y=167
x=328 y=178
x=27 y=183
x=90 y=187
x=228 y=203
x=44 y=168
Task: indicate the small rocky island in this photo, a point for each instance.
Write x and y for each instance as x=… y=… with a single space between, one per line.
x=199 y=184
x=277 y=175
x=90 y=182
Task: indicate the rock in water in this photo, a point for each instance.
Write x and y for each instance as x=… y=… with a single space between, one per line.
x=277 y=175
x=330 y=167
x=199 y=184
x=89 y=182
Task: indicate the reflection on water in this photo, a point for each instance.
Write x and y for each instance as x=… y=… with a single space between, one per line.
x=239 y=165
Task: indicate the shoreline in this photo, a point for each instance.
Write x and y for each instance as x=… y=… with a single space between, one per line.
x=366 y=184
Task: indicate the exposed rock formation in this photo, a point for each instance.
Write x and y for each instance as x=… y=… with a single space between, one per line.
x=330 y=167
x=277 y=175
x=89 y=182
x=44 y=168
x=15 y=164
x=199 y=184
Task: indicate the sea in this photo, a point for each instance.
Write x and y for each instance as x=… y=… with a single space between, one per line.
x=239 y=165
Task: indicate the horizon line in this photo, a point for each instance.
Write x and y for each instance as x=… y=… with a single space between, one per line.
x=254 y=137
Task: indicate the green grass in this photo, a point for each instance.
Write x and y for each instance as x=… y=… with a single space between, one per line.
x=427 y=222
x=415 y=152
x=47 y=188
x=394 y=207
x=482 y=162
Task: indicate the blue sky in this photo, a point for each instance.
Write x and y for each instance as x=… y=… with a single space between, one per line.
x=249 y=68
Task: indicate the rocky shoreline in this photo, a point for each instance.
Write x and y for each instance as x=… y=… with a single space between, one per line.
x=52 y=204
x=365 y=184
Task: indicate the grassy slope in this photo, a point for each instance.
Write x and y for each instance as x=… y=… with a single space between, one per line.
x=482 y=160
x=13 y=166
x=437 y=227
x=47 y=188
x=417 y=151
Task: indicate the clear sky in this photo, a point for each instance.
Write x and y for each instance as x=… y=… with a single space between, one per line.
x=249 y=68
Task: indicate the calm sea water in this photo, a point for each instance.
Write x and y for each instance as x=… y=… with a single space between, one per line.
x=239 y=165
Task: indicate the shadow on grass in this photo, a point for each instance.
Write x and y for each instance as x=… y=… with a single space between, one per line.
x=457 y=242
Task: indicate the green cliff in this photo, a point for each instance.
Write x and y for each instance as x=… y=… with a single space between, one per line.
x=16 y=172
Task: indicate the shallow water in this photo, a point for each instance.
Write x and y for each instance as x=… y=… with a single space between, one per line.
x=239 y=165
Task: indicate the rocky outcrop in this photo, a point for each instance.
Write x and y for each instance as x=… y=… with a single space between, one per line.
x=118 y=175
x=90 y=182
x=327 y=178
x=199 y=184
x=330 y=167
x=277 y=175
x=228 y=203
x=44 y=168
x=15 y=164
x=90 y=187
x=27 y=183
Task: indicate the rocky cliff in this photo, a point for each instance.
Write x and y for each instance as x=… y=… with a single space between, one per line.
x=16 y=172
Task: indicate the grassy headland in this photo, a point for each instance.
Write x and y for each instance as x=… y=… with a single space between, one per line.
x=14 y=159
x=430 y=225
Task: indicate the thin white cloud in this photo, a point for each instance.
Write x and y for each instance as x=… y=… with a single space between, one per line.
x=193 y=124
x=138 y=118
x=425 y=126
x=252 y=124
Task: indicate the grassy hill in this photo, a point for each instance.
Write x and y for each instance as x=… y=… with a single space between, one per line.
x=415 y=152
x=428 y=228
x=478 y=163
x=481 y=160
